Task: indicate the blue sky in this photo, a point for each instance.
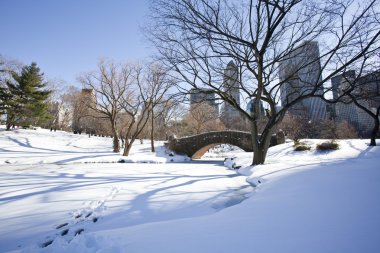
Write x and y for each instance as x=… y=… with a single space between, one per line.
x=67 y=37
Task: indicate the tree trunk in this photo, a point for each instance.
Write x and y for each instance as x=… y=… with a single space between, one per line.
x=260 y=145
x=128 y=145
x=116 y=141
x=374 y=132
x=127 y=148
x=259 y=155
x=152 y=134
x=9 y=123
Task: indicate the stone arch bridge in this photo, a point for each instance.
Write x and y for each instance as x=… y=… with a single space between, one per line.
x=197 y=145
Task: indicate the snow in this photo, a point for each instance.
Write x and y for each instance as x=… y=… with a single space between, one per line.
x=307 y=201
x=42 y=146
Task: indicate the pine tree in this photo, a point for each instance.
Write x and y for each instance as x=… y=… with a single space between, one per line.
x=28 y=104
x=3 y=89
x=6 y=97
x=3 y=99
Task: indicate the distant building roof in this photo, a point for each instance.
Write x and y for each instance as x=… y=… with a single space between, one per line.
x=231 y=63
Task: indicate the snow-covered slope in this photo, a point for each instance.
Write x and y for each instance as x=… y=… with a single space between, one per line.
x=43 y=146
x=303 y=201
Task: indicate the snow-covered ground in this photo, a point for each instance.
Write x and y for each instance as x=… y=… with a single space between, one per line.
x=68 y=191
x=42 y=146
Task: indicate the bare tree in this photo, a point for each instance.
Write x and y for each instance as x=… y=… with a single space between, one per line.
x=59 y=106
x=169 y=118
x=68 y=99
x=163 y=116
x=295 y=127
x=346 y=131
x=159 y=83
x=197 y=38
x=148 y=90
x=330 y=129
x=7 y=67
x=110 y=85
x=203 y=117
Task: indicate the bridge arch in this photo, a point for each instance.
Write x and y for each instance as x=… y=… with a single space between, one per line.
x=198 y=154
x=197 y=145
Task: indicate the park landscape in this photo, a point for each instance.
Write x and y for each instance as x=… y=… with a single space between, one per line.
x=247 y=127
x=159 y=203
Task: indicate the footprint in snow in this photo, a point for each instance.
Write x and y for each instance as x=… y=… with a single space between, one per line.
x=86 y=216
x=64 y=232
x=47 y=243
x=61 y=225
x=78 y=232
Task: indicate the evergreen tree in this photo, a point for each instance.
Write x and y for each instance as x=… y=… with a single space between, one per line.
x=28 y=103
x=12 y=101
x=3 y=99
x=6 y=97
x=2 y=88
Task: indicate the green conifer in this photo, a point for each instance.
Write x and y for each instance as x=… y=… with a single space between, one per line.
x=28 y=104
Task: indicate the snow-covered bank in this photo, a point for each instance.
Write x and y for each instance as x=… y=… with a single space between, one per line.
x=43 y=146
x=321 y=209
x=305 y=202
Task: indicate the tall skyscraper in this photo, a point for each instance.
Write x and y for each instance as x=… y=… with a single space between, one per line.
x=203 y=95
x=231 y=86
x=82 y=120
x=300 y=72
x=337 y=81
x=261 y=108
x=344 y=111
x=368 y=88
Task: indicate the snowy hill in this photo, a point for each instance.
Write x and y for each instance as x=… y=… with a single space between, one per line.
x=43 y=146
x=58 y=195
